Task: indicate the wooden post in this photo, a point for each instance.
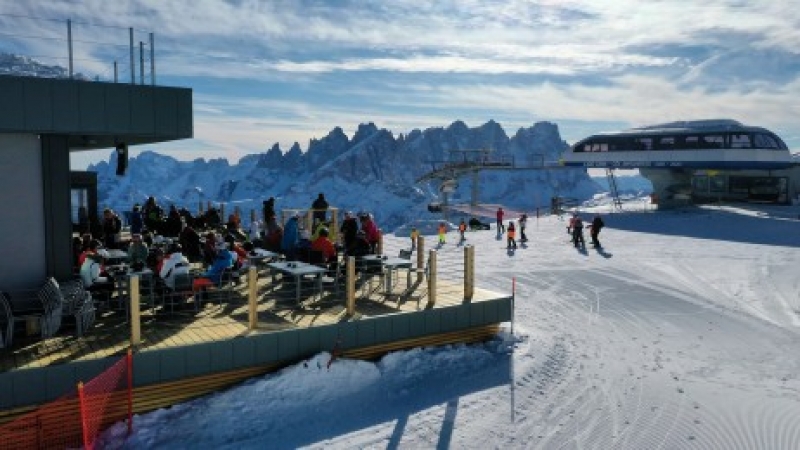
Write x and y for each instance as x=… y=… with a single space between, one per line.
x=136 y=325
x=350 y=290
x=469 y=272
x=252 y=297
x=420 y=257
x=431 y=278
x=309 y=222
x=380 y=241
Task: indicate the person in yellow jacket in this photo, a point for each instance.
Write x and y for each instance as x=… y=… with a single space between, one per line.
x=414 y=236
x=442 y=232
x=511 y=232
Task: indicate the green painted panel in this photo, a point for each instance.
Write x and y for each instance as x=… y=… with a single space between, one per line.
x=11 y=93
x=146 y=368
x=173 y=363
x=37 y=108
x=244 y=352
x=92 y=108
x=288 y=348
x=198 y=360
x=266 y=348
x=221 y=355
x=166 y=112
x=118 y=107
x=60 y=380
x=365 y=334
x=28 y=387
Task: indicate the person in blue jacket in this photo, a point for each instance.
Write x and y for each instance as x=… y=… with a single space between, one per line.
x=291 y=236
x=213 y=276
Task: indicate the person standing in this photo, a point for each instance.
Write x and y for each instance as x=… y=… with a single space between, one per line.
x=500 y=226
x=112 y=226
x=512 y=244
x=597 y=225
x=137 y=220
x=462 y=227
x=442 y=232
x=348 y=230
x=320 y=208
x=523 y=220
x=577 y=232
x=414 y=236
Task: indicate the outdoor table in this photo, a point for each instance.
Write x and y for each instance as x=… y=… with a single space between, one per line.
x=259 y=256
x=390 y=265
x=297 y=270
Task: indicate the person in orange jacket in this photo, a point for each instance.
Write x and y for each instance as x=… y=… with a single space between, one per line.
x=511 y=232
x=442 y=232
x=462 y=227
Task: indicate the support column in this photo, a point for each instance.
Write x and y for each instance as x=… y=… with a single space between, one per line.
x=420 y=258
x=469 y=273
x=252 y=298
x=350 y=290
x=136 y=323
x=432 y=279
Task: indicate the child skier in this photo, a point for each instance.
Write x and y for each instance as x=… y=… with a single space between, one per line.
x=510 y=232
x=442 y=232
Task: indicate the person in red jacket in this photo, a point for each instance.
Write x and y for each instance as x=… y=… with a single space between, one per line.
x=500 y=227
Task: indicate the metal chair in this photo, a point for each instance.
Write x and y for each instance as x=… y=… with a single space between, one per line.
x=183 y=290
x=78 y=303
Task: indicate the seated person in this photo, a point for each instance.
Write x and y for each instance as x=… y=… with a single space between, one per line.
x=324 y=245
x=175 y=264
x=213 y=276
x=210 y=249
x=137 y=252
x=94 y=277
x=360 y=247
x=240 y=260
x=92 y=247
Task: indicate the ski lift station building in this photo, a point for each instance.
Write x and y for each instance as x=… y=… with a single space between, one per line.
x=698 y=161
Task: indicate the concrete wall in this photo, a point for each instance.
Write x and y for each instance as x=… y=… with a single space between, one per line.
x=22 y=228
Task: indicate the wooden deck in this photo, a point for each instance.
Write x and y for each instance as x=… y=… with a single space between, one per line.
x=221 y=319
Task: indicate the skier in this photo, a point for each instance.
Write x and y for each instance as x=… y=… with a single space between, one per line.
x=462 y=227
x=596 y=226
x=512 y=244
x=523 y=220
x=442 y=232
x=500 y=214
x=577 y=232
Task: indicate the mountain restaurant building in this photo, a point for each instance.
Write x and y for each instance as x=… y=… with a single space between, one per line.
x=43 y=120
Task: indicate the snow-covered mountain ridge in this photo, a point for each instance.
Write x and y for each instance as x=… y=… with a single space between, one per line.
x=374 y=171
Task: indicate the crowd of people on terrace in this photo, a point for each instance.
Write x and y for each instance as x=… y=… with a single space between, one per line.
x=176 y=242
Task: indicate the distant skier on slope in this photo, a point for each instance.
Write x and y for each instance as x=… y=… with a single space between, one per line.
x=596 y=226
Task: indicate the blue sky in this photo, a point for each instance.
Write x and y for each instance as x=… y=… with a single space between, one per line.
x=266 y=72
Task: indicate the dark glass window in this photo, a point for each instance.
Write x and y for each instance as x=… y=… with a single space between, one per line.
x=740 y=140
